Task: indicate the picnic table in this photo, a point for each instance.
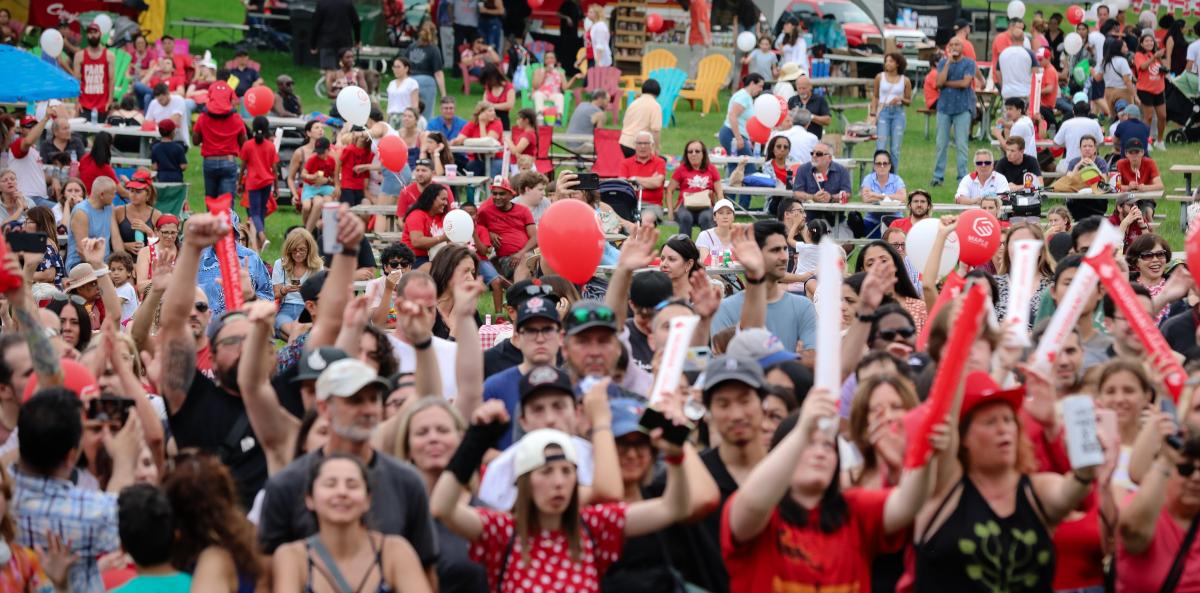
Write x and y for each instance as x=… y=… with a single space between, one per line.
x=461 y=180
x=1187 y=171
x=80 y=126
x=386 y=213
x=733 y=269
x=484 y=151
x=372 y=54
x=914 y=64
x=1141 y=195
x=194 y=23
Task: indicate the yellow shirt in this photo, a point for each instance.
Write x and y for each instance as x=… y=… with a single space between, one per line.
x=643 y=115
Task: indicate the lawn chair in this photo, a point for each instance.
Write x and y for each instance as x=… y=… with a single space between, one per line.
x=671 y=80
x=609 y=79
x=464 y=68
x=122 y=81
x=608 y=152
x=655 y=59
x=545 y=138
x=171 y=197
x=710 y=77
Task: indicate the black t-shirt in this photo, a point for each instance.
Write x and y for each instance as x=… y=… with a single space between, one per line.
x=501 y=357
x=1016 y=173
x=639 y=345
x=288 y=391
x=1180 y=332
x=695 y=548
x=426 y=60
x=816 y=105
x=457 y=573
x=205 y=421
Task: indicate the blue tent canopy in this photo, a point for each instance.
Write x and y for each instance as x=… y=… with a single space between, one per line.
x=28 y=78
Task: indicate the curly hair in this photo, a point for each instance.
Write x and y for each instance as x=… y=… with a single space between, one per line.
x=207 y=511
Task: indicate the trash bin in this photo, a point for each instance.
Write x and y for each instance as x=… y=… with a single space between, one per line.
x=301 y=14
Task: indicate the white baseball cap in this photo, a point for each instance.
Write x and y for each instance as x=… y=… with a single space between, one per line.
x=531 y=450
x=724 y=203
x=346 y=377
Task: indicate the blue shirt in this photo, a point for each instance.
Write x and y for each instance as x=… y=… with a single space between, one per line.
x=744 y=99
x=893 y=185
x=168 y=158
x=837 y=179
x=792 y=319
x=209 y=276
x=438 y=124
x=99 y=224
x=1131 y=129
x=180 y=582
x=956 y=101
x=504 y=386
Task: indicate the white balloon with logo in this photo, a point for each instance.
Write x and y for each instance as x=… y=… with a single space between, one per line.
x=458 y=226
x=52 y=42
x=919 y=246
x=354 y=105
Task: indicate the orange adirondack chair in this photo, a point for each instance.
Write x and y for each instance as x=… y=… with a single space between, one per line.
x=711 y=74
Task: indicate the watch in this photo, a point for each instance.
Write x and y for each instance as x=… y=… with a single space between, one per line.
x=867 y=318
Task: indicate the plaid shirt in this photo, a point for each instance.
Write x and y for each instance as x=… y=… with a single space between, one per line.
x=86 y=519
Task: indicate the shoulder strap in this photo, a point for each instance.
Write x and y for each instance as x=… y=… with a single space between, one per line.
x=508 y=550
x=1176 y=571
x=331 y=569
x=938 y=511
x=231 y=447
x=1027 y=486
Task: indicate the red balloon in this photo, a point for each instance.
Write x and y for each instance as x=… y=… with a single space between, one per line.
x=1075 y=14
x=654 y=22
x=570 y=239
x=978 y=237
x=393 y=153
x=783 y=110
x=259 y=100
x=758 y=132
x=536 y=4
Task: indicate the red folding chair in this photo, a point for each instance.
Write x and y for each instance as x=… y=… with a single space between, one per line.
x=608 y=152
x=545 y=138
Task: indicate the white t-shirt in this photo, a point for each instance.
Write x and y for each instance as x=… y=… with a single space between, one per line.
x=176 y=106
x=709 y=240
x=400 y=95
x=1023 y=128
x=1016 y=72
x=1072 y=130
x=1096 y=40
x=600 y=48
x=807 y=257
x=796 y=54
x=973 y=188
x=129 y=301
x=802 y=141
x=1193 y=55
x=447 y=354
x=31 y=174
x=498 y=490
x=1115 y=71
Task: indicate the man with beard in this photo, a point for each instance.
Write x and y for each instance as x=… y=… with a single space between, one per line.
x=919 y=204
x=95 y=66
x=350 y=397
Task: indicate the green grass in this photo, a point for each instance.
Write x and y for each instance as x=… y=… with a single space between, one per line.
x=917 y=156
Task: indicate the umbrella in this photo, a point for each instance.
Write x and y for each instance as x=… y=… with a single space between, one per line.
x=29 y=79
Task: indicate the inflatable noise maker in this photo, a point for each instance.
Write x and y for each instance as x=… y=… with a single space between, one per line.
x=226 y=250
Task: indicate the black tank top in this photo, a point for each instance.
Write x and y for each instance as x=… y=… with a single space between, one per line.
x=976 y=550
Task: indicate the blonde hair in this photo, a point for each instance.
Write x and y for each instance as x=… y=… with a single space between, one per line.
x=295 y=239
x=1045 y=266
x=400 y=451
x=8 y=525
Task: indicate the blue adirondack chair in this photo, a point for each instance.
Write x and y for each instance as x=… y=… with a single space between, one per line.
x=671 y=80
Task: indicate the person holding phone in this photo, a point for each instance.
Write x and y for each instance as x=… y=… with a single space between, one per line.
x=39 y=224
x=299 y=259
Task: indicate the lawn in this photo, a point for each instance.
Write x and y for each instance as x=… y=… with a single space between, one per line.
x=916 y=162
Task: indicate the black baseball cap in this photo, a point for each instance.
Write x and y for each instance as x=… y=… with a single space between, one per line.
x=648 y=289
x=541 y=379
x=1135 y=144
x=527 y=288
x=314 y=362
x=589 y=313
x=311 y=288
x=538 y=307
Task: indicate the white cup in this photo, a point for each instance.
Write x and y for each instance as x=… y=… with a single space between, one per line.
x=451 y=170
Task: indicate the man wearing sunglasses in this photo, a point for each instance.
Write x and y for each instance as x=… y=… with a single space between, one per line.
x=538 y=335
x=287 y=102
x=396 y=260
x=822 y=180
x=984 y=180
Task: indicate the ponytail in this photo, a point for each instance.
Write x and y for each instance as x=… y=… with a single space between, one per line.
x=260 y=125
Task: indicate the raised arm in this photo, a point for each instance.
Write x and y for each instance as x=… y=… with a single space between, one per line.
x=131 y=385
x=1139 y=518
x=648 y=516
x=468 y=371
x=906 y=500
x=336 y=291
x=747 y=252
x=606 y=477
x=875 y=285
x=42 y=352
x=92 y=252
x=636 y=253
x=275 y=428
x=446 y=502
x=934 y=263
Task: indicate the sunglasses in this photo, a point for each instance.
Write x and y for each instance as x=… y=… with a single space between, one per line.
x=983 y=163
x=783 y=146
x=695 y=152
x=816 y=154
x=897 y=246
x=1186 y=469
x=201 y=307
x=399 y=263
x=1153 y=255
x=539 y=290
x=78 y=300
x=604 y=314
x=891 y=334
x=882 y=164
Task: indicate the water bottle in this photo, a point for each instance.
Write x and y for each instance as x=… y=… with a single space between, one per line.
x=74 y=169
x=95 y=117
x=487 y=319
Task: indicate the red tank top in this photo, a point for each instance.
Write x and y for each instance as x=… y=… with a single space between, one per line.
x=95 y=86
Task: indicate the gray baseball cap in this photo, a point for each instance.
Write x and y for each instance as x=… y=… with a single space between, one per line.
x=731 y=368
x=760 y=345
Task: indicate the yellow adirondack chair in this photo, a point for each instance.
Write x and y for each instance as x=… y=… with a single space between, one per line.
x=581 y=60
x=653 y=60
x=710 y=77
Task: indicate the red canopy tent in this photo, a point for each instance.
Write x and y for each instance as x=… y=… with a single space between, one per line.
x=48 y=13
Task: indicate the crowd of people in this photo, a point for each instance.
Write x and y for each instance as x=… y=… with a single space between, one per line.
x=431 y=413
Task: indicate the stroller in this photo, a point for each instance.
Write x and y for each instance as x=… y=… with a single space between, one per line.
x=622 y=196
x=1183 y=108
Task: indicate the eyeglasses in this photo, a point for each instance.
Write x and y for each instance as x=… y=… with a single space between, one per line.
x=695 y=151
x=795 y=211
x=1187 y=468
x=897 y=246
x=892 y=334
x=201 y=307
x=983 y=163
x=538 y=334
x=882 y=164
x=604 y=314
x=78 y=300
x=817 y=154
x=1153 y=255
x=783 y=146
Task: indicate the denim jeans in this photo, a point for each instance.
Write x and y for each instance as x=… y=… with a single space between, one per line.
x=427 y=90
x=492 y=30
x=890 y=129
x=288 y=312
x=962 y=128
x=220 y=177
x=725 y=137
x=686 y=218
x=258 y=207
x=144 y=93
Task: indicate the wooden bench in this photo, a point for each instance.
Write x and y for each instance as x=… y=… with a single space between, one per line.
x=1187 y=171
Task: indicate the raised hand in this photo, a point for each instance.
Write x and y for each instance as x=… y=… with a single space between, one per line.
x=413 y=322
x=819 y=404
x=595 y=403
x=948 y=223
x=747 y=252
x=638 y=250
x=261 y=312
x=204 y=230
x=466 y=296
x=876 y=285
x=92 y=250
x=57 y=559
x=161 y=267
x=127 y=442
x=888 y=440
x=491 y=411
x=706 y=298
x=355 y=315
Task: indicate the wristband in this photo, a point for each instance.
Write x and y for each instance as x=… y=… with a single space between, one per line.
x=756 y=282
x=864 y=318
x=424 y=345
x=475 y=442
x=673 y=459
x=349 y=252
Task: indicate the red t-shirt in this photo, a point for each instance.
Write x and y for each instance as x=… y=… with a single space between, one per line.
x=89 y=171
x=905 y=224
x=408 y=197
x=1149 y=73
x=324 y=164
x=547 y=564
x=471 y=130
x=1079 y=554
x=352 y=156
x=691 y=181
x=1148 y=570
x=784 y=557
x=1145 y=173
x=420 y=220
x=531 y=136
x=1134 y=231
x=1049 y=86
x=175 y=82
x=260 y=161
x=509 y=225
x=631 y=167
x=220 y=136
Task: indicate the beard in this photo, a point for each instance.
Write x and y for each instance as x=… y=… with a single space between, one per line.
x=227 y=378
x=93 y=41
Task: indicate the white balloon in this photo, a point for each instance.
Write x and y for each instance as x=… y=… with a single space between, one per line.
x=458 y=226
x=766 y=108
x=1072 y=43
x=52 y=42
x=786 y=90
x=1089 y=15
x=1016 y=9
x=746 y=41
x=919 y=245
x=354 y=105
x=1119 y=5
x=104 y=22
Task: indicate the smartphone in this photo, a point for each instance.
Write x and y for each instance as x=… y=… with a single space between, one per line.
x=588 y=182
x=109 y=409
x=295 y=283
x=673 y=433
x=27 y=242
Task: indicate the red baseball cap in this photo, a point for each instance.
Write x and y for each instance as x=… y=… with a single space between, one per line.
x=76 y=378
x=166 y=127
x=28 y=121
x=502 y=183
x=980 y=390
